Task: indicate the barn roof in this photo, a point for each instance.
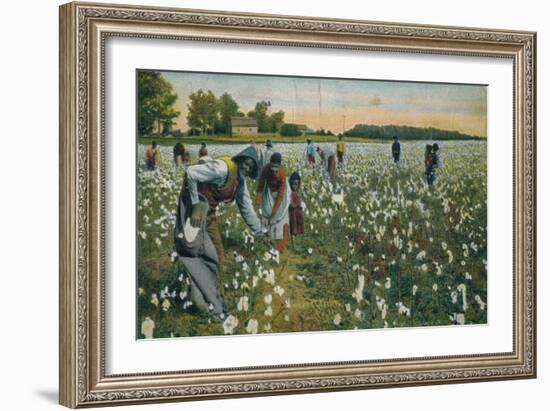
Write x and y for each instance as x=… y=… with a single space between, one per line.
x=243 y=122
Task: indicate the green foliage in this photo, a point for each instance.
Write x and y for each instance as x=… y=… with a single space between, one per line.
x=228 y=108
x=203 y=110
x=290 y=130
x=405 y=133
x=155 y=103
x=260 y=113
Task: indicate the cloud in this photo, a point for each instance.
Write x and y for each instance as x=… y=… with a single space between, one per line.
x=375 y=101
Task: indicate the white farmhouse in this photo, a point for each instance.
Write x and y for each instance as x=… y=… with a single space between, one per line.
x=243 y=126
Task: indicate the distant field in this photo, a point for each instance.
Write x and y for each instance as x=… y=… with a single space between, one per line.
x=260 y=138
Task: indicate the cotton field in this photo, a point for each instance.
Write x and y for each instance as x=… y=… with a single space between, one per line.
x=380 y=250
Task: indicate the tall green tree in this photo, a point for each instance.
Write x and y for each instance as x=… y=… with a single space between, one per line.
x=276 y=121
x=202 y=110
x=155 y=102
x=267 y=122
x=228 y=108
x=261 y=114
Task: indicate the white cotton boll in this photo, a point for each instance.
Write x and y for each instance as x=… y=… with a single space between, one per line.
x=267 y=327
x=165 y=305
x=481 y=303
x=337 y=319
x=454 y=297
x=252 y=326
x=358 y=313
x=154 y=300
x=387 y=284
x=270 y=277
x=435 y=287
x=147 y=327
x=462 y=289
x=230 y=323
x=347 y=307
x=358 y=292
x=450 y=255
x=279 y=290
x=460 y=319
x=415 y=289
x=402 y=309
x=242 y=305
x=268 y=311
x=268 y=298
x=310 y=250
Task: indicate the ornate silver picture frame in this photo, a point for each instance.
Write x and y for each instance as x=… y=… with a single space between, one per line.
x=84 y=30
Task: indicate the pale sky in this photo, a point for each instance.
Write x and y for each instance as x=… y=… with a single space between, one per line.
x=337 y=103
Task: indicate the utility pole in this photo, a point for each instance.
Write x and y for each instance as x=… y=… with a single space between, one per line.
x=343 y=123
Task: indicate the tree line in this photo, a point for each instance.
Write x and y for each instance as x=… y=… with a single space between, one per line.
x=387 y=132
x=207 y=113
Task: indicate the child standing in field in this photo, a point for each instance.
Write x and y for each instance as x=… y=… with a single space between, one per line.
x=181 y=155
x=152 y=156
x=434 y=163
x=340 y=149
x=310 y=153
x=428 y=158
x=395 y=149
x=328 y=162
x=295 y=209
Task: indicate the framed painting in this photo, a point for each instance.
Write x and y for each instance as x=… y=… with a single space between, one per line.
x=260 y=204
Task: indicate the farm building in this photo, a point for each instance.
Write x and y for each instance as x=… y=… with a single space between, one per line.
x=243 y=126
x=302 y=128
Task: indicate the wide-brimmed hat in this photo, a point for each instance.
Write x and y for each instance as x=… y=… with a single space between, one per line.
x=269 y=143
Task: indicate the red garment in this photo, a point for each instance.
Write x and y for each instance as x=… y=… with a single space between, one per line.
x=296 y=214
x=216 y=196
x=310 y=159
x=276 y=183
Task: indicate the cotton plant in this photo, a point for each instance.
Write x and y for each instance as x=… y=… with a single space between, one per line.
x=375 y=222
